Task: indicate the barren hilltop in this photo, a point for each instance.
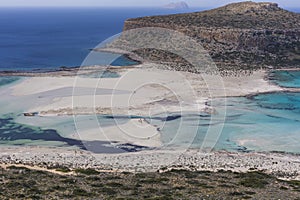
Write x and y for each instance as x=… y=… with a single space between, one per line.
x=244 y=35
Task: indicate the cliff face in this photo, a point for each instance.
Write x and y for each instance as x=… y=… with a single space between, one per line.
x=243 y=35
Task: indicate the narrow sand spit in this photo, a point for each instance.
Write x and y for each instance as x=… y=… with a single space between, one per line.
x=136 y=92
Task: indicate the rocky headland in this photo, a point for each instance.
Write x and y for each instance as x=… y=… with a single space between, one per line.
x=244 y=36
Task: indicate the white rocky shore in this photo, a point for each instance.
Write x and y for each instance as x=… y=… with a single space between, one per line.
x=284 y=166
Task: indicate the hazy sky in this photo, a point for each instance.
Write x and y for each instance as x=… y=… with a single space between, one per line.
x=147 y=3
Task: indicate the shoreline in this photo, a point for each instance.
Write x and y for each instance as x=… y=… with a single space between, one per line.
x=199 y=88
x=284 y=166
x=66 y=72
x=256 y=83
x=130 y=55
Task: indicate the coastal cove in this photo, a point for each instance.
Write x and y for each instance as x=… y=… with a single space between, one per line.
x=249 y=139
x=243 y=130
x=215 y=92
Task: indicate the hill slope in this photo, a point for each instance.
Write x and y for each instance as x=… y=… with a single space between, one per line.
x=243 y=35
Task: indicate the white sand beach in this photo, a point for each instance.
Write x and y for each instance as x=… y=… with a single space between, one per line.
x=144 y=90
x=141 y=91
x=137 y=91
x=135 y=131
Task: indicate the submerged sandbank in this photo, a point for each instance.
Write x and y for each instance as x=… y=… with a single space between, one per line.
x=144 y=90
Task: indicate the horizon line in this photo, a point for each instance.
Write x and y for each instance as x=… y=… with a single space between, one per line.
x=90 y=6
x=99 y=6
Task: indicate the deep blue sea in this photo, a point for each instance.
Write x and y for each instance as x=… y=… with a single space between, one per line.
x=48 y=38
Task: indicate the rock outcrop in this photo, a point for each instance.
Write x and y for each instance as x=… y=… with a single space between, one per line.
x=243 y=35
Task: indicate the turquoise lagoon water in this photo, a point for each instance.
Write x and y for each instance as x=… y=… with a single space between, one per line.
x=289 y=79
x=265 y=122
x=6 y=80
x=59 y=131
x=14 y=133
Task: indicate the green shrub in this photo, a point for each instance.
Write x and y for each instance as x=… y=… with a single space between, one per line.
x=114 y=184
x=13 y=167
x=80 y=192
x=236 y=194
x=69 y=181
x=88 y=171
x=63 y=169
x=250 y=192
x=109 y=191
x=254 y=179
x=254 y=183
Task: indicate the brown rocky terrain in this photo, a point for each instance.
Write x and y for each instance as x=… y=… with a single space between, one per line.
x=243 y=35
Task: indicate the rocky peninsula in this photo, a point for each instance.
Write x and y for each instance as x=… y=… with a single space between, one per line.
x=244 y=35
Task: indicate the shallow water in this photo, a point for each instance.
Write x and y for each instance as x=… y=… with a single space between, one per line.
x=268 y=122
x=289 y=79
x=265 y=122
x=59 y=131
x=56 y=132
x=6 y=80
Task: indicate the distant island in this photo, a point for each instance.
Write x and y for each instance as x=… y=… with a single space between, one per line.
x=177 y=5
x=244 y=35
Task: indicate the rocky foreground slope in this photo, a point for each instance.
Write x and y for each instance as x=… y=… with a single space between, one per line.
x=243 y=35
x=23 y=183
